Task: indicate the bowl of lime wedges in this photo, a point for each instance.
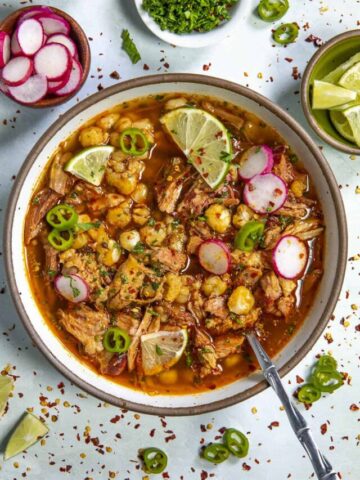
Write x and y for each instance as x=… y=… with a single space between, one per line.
x=330 y=92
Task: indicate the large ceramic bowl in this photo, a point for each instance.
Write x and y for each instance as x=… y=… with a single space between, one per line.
x=334 y=255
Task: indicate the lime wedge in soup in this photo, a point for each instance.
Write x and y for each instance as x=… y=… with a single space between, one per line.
x=327 y=95
x=90 y=164
x=30 y=430
x=203 y=139
x=335 y=75
x=162 y=350
x=6 y=386
x=342 y=125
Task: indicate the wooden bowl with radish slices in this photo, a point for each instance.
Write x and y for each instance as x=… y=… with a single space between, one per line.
x=44 y=56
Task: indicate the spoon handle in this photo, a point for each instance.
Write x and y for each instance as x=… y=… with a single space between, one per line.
x=322 y=466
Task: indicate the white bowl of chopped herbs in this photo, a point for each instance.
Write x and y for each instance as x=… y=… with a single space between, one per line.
x=191 y=23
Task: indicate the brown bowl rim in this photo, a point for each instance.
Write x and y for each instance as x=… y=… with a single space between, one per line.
x=304 y=93
x=85 y=61
x=156 y=80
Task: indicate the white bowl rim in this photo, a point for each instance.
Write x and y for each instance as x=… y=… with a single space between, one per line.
x=156 y=80
x=196 y=39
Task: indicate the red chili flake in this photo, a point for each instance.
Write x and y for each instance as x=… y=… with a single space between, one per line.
x=323 y=428
x=306 y=26
x=316 y=41
x=273 y=424
x=347 y=294
x=288 y=59
x=222 y=430
x=207 y=67
x=246 y=467
x=166 y=65
x=202 y=428
x=165 y=475
x=354 y=407
x=152 y=432
x=163 y=423
x=256 y=461
x=100 y=87
x=170 y=437
x=65 y=469
x=115 y=419
x=277 y=192
x=146 y=67
x=357 y=328
x=115 y=75
x=251 y=187
x=299 y=379
x=295 y=73
x=203 y=475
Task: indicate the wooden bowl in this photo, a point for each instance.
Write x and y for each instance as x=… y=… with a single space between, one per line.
x=77 y=35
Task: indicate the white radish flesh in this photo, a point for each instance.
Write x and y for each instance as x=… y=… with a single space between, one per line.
x=72 y=287
x=53 y=23
x=63 y=40
x=74 y=80
x=31 y=12
x=33 y=90
x=30 y=36
x=255 y=161
x=17 y=71
x=53 y=61
x=290 y=257
x=54 y=86
x=15 y=47
x=214 y=257
x=4 y=48
x=265 y=193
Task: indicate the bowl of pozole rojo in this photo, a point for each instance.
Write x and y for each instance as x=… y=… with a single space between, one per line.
x=159 y=221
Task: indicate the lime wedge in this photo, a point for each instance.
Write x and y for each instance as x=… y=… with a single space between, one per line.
x=203 y=139
x=335 y=75
x=6 y=386
x=162 y=350
x=353 y=117
x=327 y=95
x=345 y=106
x=342 y=125
x=351 y=78
x=90 y=164
x=28 y=431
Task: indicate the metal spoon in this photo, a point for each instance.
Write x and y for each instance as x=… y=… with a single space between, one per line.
x=322 y=466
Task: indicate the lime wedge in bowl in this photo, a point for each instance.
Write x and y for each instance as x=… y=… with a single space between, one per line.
x=351 y=78
x=28 y=431
x=326 y=95
x=6 y=386
x=342 y=125
x=90 y=164
x=203 y=139
x=162 y=350
x=353 y=117
x=335 y=75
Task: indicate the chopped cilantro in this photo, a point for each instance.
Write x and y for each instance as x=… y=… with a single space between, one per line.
x=158 y=350
x=139 y=248
x=88 y=225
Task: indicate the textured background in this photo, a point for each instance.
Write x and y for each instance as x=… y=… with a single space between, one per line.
x=91 y=440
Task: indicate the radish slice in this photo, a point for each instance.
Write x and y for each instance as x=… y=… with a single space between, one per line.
x=17 y=71
x=64 y=40
x=4 y=48
x=290 y=257
x=55 y=86
x=74 y=80
x=53 y=61
x=35 y=11
x=53 y=23
x=265 y=193
x=33 y=90
x=255 y=161
x=72 y=287
x=214 y=257
x=30 y=36
x=15 y=47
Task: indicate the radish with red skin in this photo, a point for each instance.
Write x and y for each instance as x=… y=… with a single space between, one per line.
x=74 y=80
x=72 y=287
x=30 y=36
x=53 y=23
x=265 y=193
x=255 y=161
x=290 y=257
x=5 y=51
x=53 y=61
x=32 y=91
x=15 y=47
x=31 y=12
x=63 y=40
x=58 y=85
x=17 y=71
x=214 y=257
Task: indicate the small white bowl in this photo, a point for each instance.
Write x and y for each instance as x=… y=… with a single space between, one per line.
x=238 y=13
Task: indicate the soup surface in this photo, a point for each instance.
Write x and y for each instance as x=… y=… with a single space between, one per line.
x=150 y=275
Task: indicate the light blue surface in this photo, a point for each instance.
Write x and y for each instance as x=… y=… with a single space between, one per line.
x=248 y=58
